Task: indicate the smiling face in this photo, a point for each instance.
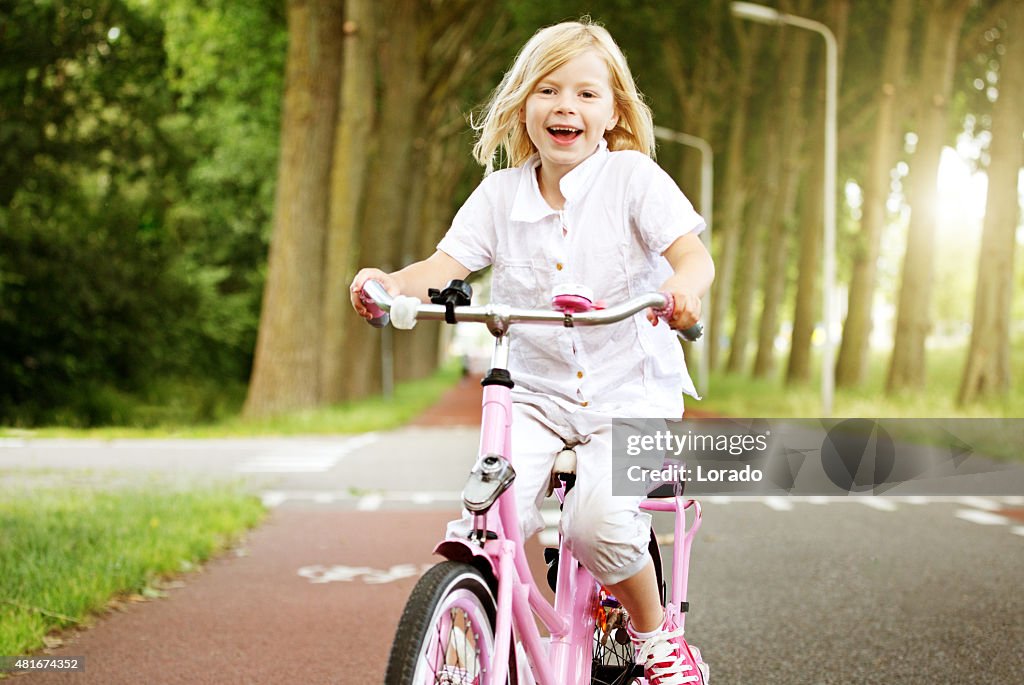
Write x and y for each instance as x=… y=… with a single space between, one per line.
x=569 y=111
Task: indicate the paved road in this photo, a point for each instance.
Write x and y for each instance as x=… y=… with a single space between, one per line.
x=782 y=591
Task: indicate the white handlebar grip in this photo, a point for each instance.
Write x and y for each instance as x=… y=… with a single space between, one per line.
x=403 y=312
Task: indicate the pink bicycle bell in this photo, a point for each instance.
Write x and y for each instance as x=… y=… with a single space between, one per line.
x=572 y=298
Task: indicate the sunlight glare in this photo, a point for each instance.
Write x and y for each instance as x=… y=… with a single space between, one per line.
x=962 y=193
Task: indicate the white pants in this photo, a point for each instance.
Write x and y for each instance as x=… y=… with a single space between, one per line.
x=608 y=534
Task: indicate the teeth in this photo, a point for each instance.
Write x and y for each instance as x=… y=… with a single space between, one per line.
x=565 y=129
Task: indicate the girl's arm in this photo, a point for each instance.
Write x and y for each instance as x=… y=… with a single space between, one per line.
x=433 y=272
x=693 y=273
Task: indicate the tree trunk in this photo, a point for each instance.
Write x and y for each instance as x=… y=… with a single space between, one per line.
x=794 y=66
x=348 y=176
x=286 y=367
x=907 y=366
x=885 y=146
x=752 y=260
x=453 y=45
x=808 y=291
x=728 y=226
x=987 y=372
x=388 y=181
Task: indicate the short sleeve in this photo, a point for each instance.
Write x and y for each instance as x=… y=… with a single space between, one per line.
x=658 y=209
x=472 y=237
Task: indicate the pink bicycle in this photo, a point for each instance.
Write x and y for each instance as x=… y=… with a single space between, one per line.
x=473 y=619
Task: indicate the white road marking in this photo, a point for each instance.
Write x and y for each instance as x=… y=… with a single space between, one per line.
x=273 y=499
x=979 y=503
x=985 y=518
x=370 y=502
x=1018 y=530
x=877 y=503
x=319 y=574
x=778 y=503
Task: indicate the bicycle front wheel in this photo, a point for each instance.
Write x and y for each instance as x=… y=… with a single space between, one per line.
x=446 y=633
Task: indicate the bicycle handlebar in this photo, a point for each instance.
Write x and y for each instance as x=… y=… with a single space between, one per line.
x=499 y=317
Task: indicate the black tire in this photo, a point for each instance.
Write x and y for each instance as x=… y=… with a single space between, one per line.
x=449 y=593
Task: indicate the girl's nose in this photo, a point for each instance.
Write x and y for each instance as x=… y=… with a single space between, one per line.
x=565 y=105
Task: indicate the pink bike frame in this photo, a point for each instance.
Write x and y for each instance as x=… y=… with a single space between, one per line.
x=564 y=658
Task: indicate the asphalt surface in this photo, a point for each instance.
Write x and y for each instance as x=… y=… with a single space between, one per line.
x=802 y=591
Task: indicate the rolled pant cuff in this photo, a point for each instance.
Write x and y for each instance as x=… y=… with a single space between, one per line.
x=622 y=573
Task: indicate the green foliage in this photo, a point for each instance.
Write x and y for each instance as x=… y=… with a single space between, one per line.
x=136 y=188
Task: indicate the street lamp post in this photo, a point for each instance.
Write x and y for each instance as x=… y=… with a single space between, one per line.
x=769 y=15
x=707 y=180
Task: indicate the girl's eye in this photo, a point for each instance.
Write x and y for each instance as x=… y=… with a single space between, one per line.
x=588 y=94
x=546 y=91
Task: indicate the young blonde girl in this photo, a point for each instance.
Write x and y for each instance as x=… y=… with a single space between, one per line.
x=581 y=201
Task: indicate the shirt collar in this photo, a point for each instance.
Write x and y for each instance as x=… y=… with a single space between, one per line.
x=530 y=206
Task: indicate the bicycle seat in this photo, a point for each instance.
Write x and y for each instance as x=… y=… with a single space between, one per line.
x=565 y=462
x=563 y=470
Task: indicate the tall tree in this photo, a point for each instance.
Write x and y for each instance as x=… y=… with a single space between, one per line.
x=794 y=66
x=389 y=176
x=734 y=193
x=286 y=369
x=885 y=145
x=349 y=164
x=752 y=257
x=807 y=302
x=987 y=371
x=811 y=233
x=461 y=43
x=938 y=59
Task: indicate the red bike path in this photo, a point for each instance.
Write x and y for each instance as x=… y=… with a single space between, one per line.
x=250 y=617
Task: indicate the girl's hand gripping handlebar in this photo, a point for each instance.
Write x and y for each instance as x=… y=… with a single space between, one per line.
x=691 y=334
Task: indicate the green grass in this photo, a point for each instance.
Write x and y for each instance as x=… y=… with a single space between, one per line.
x=377 y=413
x=67 y=550
x=741 y=396
x=744 y=397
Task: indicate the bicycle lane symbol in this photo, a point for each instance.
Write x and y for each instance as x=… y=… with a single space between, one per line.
x=318 y=574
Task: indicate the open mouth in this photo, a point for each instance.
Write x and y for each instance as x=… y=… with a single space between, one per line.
x=564 y=135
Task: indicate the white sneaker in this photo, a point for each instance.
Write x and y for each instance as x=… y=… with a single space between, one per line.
x=668 y=660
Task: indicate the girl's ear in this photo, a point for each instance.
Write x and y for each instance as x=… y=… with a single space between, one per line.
x=613 y=122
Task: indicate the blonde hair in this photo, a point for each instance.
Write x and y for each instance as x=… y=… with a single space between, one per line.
x=546 y=51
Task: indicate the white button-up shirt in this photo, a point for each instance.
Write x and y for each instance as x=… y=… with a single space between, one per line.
x=622 y=211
